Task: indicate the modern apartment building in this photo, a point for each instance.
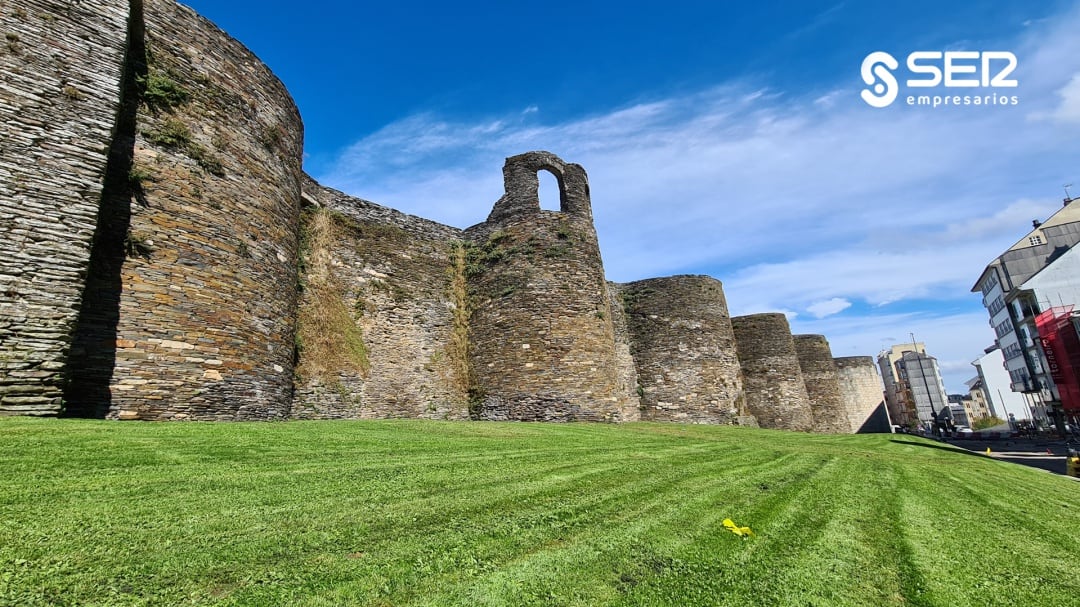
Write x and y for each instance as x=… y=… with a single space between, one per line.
x=977 y=404
x=958 y=407
x=914 y=390
x=901 y=410
x=1019 y=285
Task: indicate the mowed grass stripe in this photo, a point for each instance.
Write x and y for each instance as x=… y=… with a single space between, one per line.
x=713 y=569
x=427 y=513
x=571 y=518
x=836 y=551
x=1017 y=556
x=228 y=519
x=612 y=548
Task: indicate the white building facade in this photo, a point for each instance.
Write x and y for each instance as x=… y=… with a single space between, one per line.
x=1003 y=402
x=1010 y=293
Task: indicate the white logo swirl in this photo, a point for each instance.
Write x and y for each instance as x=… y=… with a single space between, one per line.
x=876 y=73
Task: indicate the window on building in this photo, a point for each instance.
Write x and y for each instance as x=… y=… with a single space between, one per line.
x=1035 y=240
x=990 y=282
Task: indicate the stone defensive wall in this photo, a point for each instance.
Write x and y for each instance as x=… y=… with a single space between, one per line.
x=684 y=349
x=862 y=393
x=166 y=258
x=772 y=378
x=625 y=368
x=61 y=65
x=822 y=384
x=541 y=336
x=190 y=308
x=383 y=315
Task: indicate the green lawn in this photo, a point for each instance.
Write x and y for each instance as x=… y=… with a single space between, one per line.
x=428 y=513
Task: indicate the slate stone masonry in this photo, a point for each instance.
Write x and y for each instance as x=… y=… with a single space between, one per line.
x=397 y=273
x=822 y=384
x=541 y=333
x=152 y=204
x=206 y=291
x=60 y=72
x=684 y=349
x=862 y=394
x=775 y=389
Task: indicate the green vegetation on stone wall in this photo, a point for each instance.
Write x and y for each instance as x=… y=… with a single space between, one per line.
x=160 y=90
x=162 y=93
x=173 y=133
x=460 y=374
x=631 y=296
x=498 y=252
x=328 y=336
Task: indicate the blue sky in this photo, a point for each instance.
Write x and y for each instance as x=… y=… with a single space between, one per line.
x=720 y=138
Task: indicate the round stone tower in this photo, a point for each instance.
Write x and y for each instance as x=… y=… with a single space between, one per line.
x=822 y=384
x=541 y=337
x=684 y=350
x=190 y=303
x=775 y=390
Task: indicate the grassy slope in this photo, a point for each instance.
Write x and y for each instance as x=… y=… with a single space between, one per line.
x=426 y=513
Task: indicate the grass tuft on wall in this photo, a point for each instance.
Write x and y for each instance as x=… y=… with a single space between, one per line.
x=328 y=336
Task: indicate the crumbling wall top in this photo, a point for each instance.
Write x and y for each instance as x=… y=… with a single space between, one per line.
x=522 y=187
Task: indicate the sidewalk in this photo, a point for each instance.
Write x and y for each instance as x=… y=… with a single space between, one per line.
x=1043 y=453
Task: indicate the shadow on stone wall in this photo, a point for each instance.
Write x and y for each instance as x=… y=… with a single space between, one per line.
x=877 y=422
x=93 y=351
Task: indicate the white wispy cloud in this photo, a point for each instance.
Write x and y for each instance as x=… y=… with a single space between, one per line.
x=803 y=203
x=828 y=307
x=1068 y=109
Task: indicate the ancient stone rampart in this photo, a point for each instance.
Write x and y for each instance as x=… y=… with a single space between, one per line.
x=541 y=336
x=822 y=384
x=167 y=258
x=396 y=286
x=684 y=350
x=862 y=393
x=191 y=304
x=772 y=378
x=60 y=80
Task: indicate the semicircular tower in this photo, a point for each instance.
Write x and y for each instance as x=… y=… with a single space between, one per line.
x=541 y=336
x=684 y=350
x=190 y=304
x=775 y=390
x=822 y=384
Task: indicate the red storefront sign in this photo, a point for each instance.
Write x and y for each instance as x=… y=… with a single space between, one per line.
x=1061 y=345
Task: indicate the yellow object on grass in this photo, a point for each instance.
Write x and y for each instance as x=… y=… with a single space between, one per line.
x=737 y=530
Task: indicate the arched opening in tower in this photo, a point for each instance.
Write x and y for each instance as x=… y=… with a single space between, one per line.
x=549 y=191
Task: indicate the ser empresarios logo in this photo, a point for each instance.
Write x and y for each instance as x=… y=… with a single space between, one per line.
x=982 y=70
